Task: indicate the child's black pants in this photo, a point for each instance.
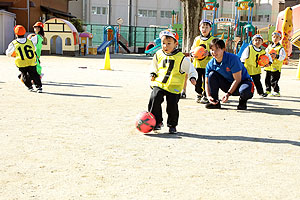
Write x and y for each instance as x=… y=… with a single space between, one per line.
x=154 y=106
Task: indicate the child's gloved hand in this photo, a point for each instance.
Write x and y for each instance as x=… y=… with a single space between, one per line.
x=267 y=65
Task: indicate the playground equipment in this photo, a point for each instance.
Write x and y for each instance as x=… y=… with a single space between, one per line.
x=287 y=24
x=85 y=44
x=61 y=37
x=112 y=36
x=155 y=45
x=243 y=30
x=295 y=39
x=211 y=5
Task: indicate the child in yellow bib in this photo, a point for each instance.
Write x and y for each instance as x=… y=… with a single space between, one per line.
x=250 y=58
x=273 y=72
x=168 y=71
x=204 y=40
x=24 y=51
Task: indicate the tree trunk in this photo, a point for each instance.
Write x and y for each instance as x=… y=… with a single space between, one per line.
x=192 y=12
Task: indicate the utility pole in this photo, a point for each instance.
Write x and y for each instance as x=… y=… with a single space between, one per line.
x=108 y=12
x=28 y=15
x=129 y=20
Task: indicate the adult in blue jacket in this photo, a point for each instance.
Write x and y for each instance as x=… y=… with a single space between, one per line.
x=225 y=71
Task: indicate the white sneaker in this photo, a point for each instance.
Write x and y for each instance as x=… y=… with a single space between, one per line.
x=275 y=94
x=198 y=98
x=204 y=100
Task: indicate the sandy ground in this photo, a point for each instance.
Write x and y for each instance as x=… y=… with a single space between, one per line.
x=77 y=140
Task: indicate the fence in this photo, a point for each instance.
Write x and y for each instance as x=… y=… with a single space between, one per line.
x=137 y=37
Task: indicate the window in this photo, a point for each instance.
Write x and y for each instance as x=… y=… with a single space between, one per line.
x=94 y=10
x=68 y=42
x=99 y=10
x=45 y=41
x=165 y=14
x=147 y=13
x=267 y=18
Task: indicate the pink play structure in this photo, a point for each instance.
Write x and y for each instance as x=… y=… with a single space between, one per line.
x=296 y=24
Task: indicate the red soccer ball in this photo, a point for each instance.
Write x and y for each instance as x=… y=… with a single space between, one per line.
x=263 y=60
x=199 y=52
x=145 y=122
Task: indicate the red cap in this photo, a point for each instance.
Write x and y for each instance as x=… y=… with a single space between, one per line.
x=40 y=24
x=19 y=30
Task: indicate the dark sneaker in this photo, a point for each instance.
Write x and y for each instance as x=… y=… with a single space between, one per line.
x=157 y=127
x=30 y=89
x=198 y=98
x=263 y=95
x=212 y=106
x=39 y=90
x=172 y=130
x=242 y=105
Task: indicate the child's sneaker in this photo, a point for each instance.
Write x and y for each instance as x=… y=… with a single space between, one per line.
x=275 y=94
x=30 y=89
x=157 y=127
x=268 y=92
x=172 y=130
x=39 y=90
x=198 y=98
x=263 y=95
x=204 y=100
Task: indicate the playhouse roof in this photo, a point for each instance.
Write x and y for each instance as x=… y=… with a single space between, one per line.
x=86 y=34
x=60 y=21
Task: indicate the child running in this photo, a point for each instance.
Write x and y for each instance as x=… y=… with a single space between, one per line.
x=273 y=72
x=168 y=71
x=204 y=40
x=38 y=42
x=25 y=58
x=250 y=59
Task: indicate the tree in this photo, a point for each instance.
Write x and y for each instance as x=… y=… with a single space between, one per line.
x=192 y=12
x=78 y=24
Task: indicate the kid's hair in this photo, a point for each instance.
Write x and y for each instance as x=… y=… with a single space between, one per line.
x=205 y=21
x=217 y=43
x=41 y=32
x=168 y=37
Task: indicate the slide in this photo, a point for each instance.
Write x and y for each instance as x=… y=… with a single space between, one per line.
x=153 y=50
x=124 y=47
x=102 y=47
x=244 y=45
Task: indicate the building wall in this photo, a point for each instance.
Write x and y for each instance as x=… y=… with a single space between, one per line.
x=76 y=8
x=35 y=12
x=119 y=9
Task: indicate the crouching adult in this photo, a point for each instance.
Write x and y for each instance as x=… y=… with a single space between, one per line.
x=225 y=71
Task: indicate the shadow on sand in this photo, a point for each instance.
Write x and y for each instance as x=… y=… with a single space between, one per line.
x=51 y=83
x=180 y=135
x=76 y=95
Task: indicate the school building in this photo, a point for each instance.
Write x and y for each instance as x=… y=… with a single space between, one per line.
x=133 y=12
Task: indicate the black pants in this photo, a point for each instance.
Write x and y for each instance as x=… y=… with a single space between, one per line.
x=272 y=79
x=28 y=74
x=257 y=83
x=154 y=106
x=200 y=81
x=216 y=82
